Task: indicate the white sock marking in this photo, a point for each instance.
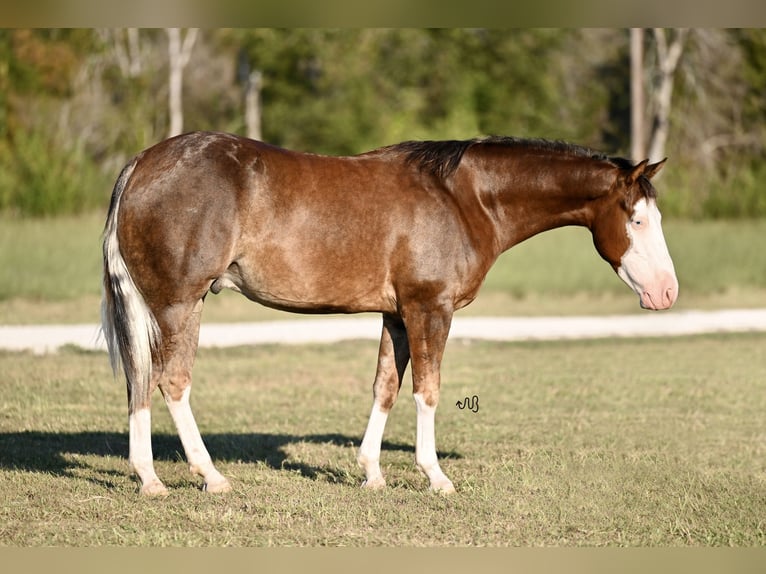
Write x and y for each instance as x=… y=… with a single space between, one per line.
x=196 y=453
x=369 y=451
x=140 y=451
x=425 y=446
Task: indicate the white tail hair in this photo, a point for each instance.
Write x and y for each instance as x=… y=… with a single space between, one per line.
x=130 y=329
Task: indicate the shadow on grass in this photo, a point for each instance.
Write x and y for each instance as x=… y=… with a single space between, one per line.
x=39 y=451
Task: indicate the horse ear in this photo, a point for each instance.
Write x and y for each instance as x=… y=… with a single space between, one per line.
x=637 y=172
x=652 y=170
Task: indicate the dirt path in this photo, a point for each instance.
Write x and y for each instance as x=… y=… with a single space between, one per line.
x=48 y=338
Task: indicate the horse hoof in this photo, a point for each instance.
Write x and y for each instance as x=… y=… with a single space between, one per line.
x=445 y=487
x=155 y=488
x=375 y=483
x=217 y=487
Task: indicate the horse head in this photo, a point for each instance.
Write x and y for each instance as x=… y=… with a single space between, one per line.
x=627 y=232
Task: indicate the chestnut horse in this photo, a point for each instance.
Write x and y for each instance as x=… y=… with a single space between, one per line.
x=408 y=231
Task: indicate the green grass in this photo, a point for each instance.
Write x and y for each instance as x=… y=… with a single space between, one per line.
x=652 y=442
x=50 y=271
x=50 y=259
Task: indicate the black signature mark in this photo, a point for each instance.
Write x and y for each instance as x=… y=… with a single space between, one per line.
x=472 y=404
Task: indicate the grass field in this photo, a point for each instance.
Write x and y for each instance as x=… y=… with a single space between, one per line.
x=50 y=271
x=596 y=443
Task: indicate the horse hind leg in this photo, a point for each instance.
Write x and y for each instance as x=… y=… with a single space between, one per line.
x=174 y=380
x=140 y=458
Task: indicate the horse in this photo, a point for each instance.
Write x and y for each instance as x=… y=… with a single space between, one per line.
x=408 y=231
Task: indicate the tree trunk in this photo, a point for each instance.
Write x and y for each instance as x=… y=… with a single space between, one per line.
x=253 y=105
x=668 y=57
x=637 y=106
x=127 y=58
x=134 y=53
x=178 y=55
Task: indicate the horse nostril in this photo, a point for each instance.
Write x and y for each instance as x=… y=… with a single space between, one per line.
x=669 y=296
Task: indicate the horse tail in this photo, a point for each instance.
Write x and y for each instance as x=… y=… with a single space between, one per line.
x=129 y=327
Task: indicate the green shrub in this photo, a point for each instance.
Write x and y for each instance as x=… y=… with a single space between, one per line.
x=39 y=177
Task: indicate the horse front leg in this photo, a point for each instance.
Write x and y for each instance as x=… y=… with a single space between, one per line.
x=393 y=356
x=427 y=333
x=425 y=447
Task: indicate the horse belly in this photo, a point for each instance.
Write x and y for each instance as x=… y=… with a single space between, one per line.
x=304 y=283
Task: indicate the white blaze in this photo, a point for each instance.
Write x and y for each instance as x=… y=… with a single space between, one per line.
x=646 y=266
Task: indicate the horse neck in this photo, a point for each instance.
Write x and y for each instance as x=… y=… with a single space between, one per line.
x=526 y=195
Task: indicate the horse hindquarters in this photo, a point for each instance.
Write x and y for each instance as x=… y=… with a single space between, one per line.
x=156 y=342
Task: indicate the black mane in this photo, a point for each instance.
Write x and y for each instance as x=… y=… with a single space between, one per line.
x=441 y=158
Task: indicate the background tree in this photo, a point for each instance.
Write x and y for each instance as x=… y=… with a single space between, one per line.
x=76 y=104
x=179 y=53
x=668 y=51
x=637 y=106
x=661 y=74
x=252 y=81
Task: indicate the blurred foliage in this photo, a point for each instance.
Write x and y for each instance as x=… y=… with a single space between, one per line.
x=76 y=104
x=46 y=180
x=344 y=91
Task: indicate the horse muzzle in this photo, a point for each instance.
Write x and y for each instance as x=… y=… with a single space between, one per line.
x=662 y=294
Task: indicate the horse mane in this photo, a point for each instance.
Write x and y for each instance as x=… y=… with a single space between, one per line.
x=439 y=158
x=442 y=158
